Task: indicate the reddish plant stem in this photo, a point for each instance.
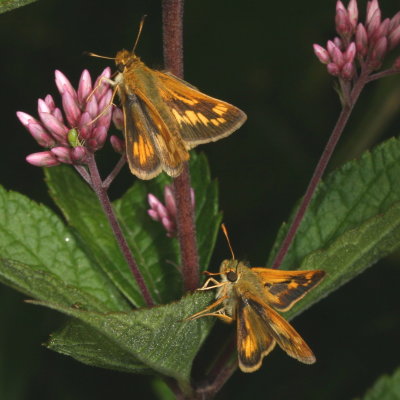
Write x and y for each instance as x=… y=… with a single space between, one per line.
x=101 y=192
x=173 y=59
x=350 y=100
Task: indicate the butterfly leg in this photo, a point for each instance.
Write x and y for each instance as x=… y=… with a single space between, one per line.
x=216 y=284
x=210 y=307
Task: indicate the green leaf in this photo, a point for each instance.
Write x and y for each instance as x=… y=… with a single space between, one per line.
x=46 y=286
x=8 y=5
x=360 y=190
x=34 y=235
x=158 y=337
x=90 y=347
x=385 y=388
x=83 y=211
x=353 y=252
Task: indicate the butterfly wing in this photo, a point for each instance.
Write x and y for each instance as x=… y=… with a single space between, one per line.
x=285 y=288
x=281 y=331
x=254 y=341
x=201 y=118
x=150 y=147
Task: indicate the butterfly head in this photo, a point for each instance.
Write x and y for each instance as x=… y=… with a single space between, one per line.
x=230 y=271
x=125 y=59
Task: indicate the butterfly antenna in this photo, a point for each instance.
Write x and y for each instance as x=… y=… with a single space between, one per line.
x=98 y=55
x=139 y=33
x=223 y=227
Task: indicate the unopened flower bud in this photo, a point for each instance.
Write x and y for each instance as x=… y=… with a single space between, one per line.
x=42 y=159
x=321 y=54
x=117 y=144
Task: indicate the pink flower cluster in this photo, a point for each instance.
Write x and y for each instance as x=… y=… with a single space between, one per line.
x=87 y=114
x=166 y=214
x=366 y=43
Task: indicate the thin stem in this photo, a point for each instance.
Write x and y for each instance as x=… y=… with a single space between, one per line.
x=101 y=193
x=83 y=173
x=107 y=182
x=173 y=59
x=321 y=166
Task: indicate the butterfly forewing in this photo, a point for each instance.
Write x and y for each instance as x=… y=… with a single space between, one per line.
x=285 y=288
x=253 y=340
x=201 y=118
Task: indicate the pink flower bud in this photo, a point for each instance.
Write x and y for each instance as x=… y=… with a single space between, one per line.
x=321 y=53
x=337 y=57
x=361 y=40
x=348 y=71
x=64 y=85
x=42 y=159
x=92 y=107
x=333 y=69
x=343 y=24
x=379 y=50
x=58 y=130
x=373 y=11
x=43 y=107
x=50 y=102
x=99 y=136
x=71 y=109
x=394 y=38
x=394 y=22
x=86 y=127
x=79 y=155
x=35 y=128
x=118 y=118
x=153 y=215
x=101 y=89
x=85 y=86
x=352 y=10
x=350 y=52
x=373 y=25
x=63 y=154
x=117 y=144
x=169 y=198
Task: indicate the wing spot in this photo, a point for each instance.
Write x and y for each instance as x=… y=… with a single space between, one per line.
x=214 y=122
x=192 y=117
x=220 y=109
x=202 y=118
x=191 y=102
x=222 y=120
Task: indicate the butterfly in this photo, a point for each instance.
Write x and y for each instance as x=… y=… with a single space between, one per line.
x=165 y=117
x=254 y=297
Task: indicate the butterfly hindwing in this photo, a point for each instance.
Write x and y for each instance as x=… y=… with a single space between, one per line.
x=200 y=118
x=253 y=340
x=281 y=331
x=285 y=288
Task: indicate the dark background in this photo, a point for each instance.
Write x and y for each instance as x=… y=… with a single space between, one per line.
x=257 y=55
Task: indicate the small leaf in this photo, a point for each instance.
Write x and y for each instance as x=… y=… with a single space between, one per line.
x=8 y=5
x=387 y=387
x=34 y=235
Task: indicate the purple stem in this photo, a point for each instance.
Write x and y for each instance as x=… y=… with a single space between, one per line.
x=107 y=182
x=173 y=59
x=101 y=192
x=350 y=100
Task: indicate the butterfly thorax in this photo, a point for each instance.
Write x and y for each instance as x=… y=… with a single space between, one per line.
x=239 y=279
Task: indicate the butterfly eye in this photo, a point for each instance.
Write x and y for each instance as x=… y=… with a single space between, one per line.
x=121 y=67
x=232 y=276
